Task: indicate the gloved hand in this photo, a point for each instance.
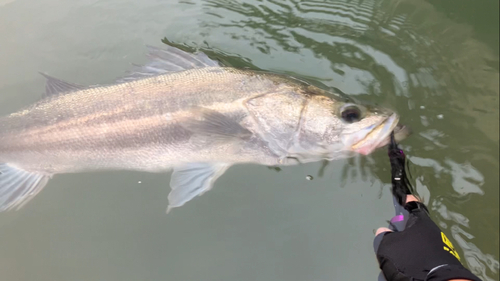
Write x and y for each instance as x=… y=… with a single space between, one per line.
x=419 y=252
x=414 y=248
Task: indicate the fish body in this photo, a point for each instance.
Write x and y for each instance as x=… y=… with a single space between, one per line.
x=183 y=112
x=138 y=125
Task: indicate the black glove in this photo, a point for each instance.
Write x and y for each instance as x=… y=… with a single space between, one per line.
x=419 y=252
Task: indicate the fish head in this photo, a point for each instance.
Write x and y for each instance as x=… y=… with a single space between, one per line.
x=366 y=128
x=332 y=129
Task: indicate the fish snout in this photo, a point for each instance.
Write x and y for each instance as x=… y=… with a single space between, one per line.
x=374 y=136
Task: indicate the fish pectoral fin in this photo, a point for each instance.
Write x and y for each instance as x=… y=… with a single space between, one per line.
x=17 y=186
x=215 y=124
x=191 y=180
x=168 y=59
x=55 y=86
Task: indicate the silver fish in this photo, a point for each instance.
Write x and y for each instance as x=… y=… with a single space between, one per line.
x=184 y=112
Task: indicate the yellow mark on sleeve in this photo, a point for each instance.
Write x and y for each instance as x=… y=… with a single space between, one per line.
x=450 y=247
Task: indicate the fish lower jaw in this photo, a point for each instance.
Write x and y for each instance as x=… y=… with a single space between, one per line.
x=377 y=137
x=366 y=150
x=366 y=147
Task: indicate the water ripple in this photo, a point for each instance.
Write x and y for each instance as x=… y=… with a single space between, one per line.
x=403 y=54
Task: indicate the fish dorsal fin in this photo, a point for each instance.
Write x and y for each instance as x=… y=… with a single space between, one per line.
x=191 y=180
x=168 y=59
x=56 y=86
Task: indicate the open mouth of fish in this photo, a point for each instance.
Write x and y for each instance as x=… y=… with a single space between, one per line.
x=379 y=136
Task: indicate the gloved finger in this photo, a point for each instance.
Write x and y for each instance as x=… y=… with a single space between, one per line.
x=379 y=234
x=382 y=230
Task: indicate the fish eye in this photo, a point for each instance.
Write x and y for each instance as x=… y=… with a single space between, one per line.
x=351 y=113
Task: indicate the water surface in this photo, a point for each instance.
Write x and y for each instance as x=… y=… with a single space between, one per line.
x=435 y=62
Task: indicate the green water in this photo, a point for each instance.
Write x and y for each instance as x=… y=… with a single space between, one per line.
x=435 y=62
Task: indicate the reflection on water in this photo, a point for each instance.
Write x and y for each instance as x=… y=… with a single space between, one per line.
x=398 y=53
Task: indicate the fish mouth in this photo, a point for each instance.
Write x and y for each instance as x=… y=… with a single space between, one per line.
x=379 y=136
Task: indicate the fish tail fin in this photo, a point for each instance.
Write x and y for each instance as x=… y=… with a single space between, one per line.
x=18 y=186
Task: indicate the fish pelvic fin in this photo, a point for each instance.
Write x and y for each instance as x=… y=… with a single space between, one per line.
x=168 y=59
x=17 y=186
x=191 y=180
